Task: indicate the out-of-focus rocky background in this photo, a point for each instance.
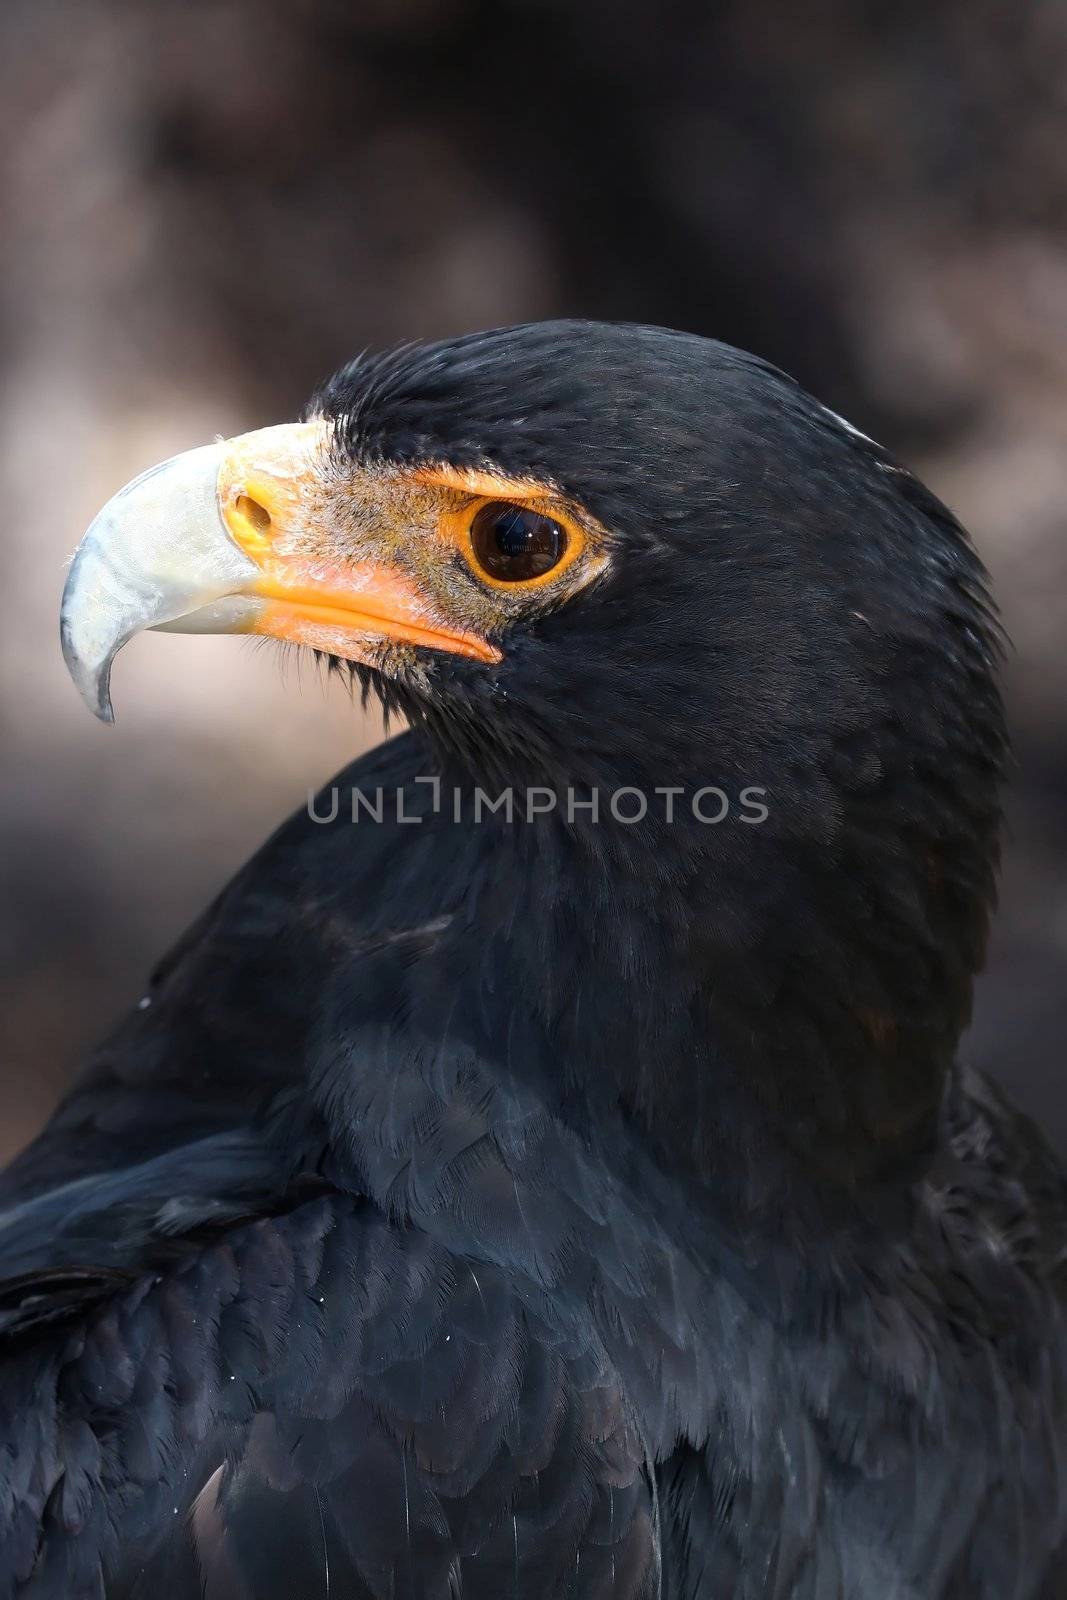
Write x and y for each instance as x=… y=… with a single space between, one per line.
x=207 y=204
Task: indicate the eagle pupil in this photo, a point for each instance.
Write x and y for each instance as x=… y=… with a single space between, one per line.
x=513 y=544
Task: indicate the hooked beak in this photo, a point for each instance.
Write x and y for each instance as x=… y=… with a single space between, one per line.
x=229 y=538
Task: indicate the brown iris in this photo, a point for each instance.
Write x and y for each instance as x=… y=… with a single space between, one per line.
x=513 y=544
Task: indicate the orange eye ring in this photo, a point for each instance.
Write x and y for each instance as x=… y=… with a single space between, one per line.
x=475 y=490
x=517 y=545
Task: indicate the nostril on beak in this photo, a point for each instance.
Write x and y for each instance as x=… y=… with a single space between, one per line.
x=255 y=514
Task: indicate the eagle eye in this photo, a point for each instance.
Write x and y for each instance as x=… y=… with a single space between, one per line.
x=512 y=544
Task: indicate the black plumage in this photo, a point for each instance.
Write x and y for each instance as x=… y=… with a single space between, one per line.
x=570 y=1206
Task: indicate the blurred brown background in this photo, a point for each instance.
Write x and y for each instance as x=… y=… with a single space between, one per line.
x=207 y=206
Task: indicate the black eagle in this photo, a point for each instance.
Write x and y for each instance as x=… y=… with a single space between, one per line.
x=546 y=1170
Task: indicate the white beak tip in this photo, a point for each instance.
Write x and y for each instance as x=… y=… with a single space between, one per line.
x=93 y=683
x=159 y=550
